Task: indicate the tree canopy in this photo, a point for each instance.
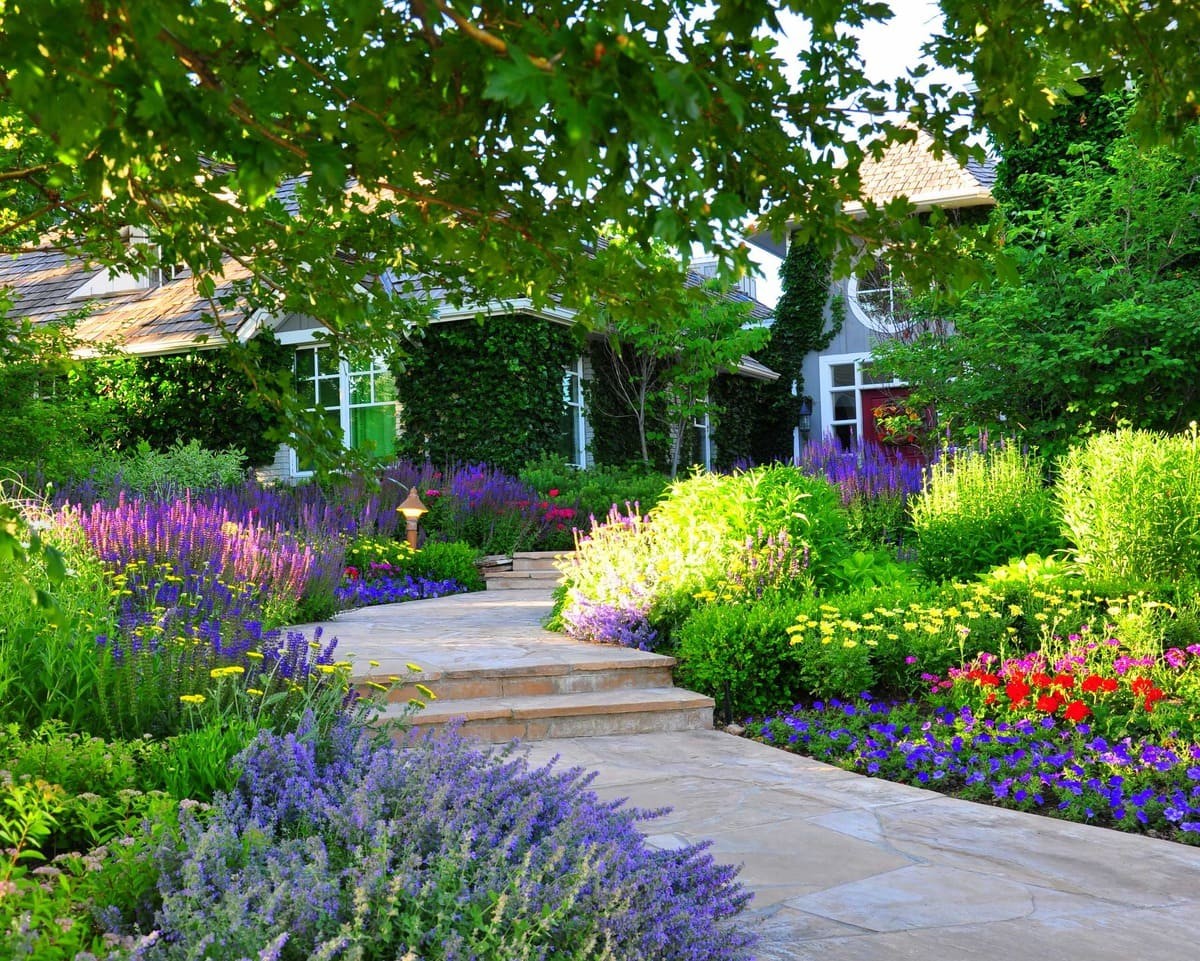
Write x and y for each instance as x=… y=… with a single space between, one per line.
x=1101 y=326
x=487 y=145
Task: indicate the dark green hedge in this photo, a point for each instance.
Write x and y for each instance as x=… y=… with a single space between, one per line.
x=213 y=396
x=485 y=391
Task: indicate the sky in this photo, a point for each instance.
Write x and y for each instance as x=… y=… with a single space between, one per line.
x=888 y=50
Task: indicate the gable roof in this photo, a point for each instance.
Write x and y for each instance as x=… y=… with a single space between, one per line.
x=913 y=171
x=157 y=319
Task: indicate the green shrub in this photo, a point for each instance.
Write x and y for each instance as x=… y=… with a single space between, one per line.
x=596 y=490
x=708 y=538
x=453 y=560
x=1131 y=505
x=981 y=509
x=182 y=467
x=49 y=660
x=741 y=655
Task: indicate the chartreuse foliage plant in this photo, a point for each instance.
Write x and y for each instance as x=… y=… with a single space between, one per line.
x=983 y=508
x=636 y=577
x=1131 y=505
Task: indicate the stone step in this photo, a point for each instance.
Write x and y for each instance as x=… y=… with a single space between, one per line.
x=521 y=580
x=531 y=718
x=651 y=671
x=537 y=560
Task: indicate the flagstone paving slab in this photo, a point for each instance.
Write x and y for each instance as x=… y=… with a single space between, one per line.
x=843 y=867
x=850 y=868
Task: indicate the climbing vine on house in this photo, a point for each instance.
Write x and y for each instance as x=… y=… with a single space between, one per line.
x=219 y=397
x=489 y=390
x=759 y=415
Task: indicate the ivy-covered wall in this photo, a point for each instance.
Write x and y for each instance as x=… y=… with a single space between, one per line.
x=614 y=427
x=213 y=396
x=489 y=390
x=758 y=416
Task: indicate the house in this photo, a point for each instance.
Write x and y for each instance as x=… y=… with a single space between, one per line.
x=843 y=389
x=165 y=313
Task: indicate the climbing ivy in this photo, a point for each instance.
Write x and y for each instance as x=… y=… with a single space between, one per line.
x=759 y=415
x=218 y=397
x=485 y=390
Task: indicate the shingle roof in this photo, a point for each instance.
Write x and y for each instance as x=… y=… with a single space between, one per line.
x=164 y=318
x=912 y=170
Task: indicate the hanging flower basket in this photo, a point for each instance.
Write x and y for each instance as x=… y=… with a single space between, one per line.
x=898 y=425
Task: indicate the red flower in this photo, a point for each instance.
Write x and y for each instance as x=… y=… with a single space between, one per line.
x=1092 y=684
x=552 y=492
x=1049 y=703
x=1141 y=685
x=1017 y=691
x=988 y=680
x=1109 y=684
x=1065 y=681
x=1038 y=679
x=1076 y=711
x=351 y=573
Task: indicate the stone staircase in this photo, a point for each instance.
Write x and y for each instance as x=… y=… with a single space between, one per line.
x=528 y=569
x=537 y=701
x=500 y=675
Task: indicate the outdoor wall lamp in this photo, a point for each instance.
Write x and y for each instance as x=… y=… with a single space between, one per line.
x=412 y=509
x=804 y=420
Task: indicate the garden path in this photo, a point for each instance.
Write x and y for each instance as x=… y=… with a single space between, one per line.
x=844 y=867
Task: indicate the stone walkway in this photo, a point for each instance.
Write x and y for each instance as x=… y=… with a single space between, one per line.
x=843 y=867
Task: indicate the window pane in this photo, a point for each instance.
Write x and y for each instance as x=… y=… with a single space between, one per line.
x=385 y=386
x=847 y=434
x=360 y=389
x=845 y=406
x=843 y=375
x=306 y=390
x=328 y=393
x=373 y=430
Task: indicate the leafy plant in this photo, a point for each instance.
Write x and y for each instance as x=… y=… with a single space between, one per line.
x=147 y=472
x=980 y=509
x=427 y=849
x=1131 y=504
x=741 y=655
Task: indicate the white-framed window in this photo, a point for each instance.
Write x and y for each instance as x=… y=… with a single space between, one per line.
x=844 y=379
x=573 y=438
x=879 y=299
x=358 y=399
x=702 y=426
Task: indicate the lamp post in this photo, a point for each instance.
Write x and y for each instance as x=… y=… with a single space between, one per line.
x=412 y=509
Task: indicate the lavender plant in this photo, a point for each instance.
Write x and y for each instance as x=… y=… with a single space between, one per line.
x=876 y=484
x=435 y=850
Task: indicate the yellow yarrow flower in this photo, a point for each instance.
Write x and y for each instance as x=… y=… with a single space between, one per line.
x=192 y=698
x=230 y=671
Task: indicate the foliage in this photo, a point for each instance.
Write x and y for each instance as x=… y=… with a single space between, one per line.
x=660 y=365
x=1096 y=328
x=759 y=416
x=739 y=654
x=485 y=391
x=597 y=489
x=49 y=667
x=44 y=432
x=144 y=471
x=1131 y=504
x=876 y=484
x=574 y=111
x=761 y=524
x=983 y=508
x=432 y=850
x=212 y=399
x=446 y=560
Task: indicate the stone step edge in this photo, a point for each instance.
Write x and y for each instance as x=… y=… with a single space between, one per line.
x=542 y=555
x=644 y=660
x=522 y=575
x=643 y=700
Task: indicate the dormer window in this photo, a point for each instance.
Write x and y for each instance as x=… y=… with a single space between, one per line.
x=879 y=299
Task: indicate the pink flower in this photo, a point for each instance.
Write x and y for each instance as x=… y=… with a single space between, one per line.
x=552 y=492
